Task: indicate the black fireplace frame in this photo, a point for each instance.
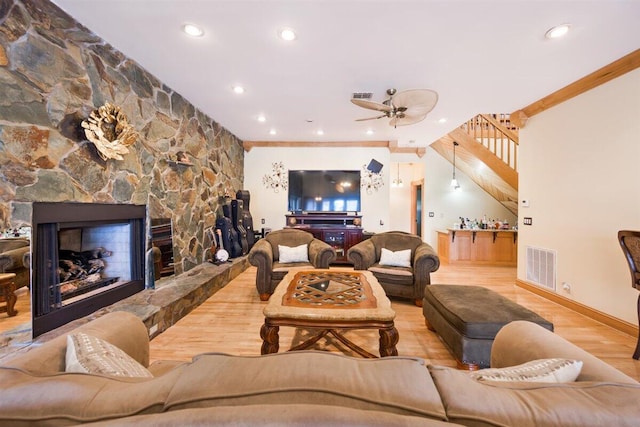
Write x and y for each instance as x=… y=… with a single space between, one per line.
x=47 y=219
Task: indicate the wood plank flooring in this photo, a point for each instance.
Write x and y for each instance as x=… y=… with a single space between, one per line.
x=230 y=322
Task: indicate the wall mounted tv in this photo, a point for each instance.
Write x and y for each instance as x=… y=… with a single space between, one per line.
x=324 y=191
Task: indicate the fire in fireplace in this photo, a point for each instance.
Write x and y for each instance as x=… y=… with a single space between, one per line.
x=85 y=256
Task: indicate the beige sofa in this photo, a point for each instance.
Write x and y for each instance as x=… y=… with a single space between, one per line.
x=309 y=388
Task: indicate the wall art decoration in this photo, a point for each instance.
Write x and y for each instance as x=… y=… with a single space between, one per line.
x=109 y=130
x=278 y=179
x=370 y=181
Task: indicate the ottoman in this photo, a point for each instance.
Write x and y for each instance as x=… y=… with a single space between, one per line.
x=467 y=318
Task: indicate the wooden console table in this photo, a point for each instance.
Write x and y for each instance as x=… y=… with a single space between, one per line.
x=339 y=230
x=497 y=247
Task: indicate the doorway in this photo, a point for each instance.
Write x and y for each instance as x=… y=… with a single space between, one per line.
x=416 y=207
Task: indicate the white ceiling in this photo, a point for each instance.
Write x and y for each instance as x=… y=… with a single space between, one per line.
x=480 y=56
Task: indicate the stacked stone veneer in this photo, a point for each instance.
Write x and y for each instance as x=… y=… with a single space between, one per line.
x=53 y=73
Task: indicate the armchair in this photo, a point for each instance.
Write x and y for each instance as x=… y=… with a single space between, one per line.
x=265 y=255
x=405 y=282
x=12 y=254
x=630 y=243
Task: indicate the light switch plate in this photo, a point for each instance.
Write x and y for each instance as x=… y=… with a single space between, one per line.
x=527 y=220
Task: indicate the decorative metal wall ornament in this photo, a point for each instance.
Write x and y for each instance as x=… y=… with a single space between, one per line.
x=370 y=181
x=107 y=127
x=278 y=178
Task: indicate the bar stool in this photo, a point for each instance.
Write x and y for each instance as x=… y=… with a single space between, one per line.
x=7 y=293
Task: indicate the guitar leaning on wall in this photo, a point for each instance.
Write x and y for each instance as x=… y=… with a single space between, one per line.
x=247 y=219
x=238 y=224
x=229 y=237
x=237 y=230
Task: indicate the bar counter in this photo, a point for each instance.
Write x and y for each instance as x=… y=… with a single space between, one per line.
x=488 y=247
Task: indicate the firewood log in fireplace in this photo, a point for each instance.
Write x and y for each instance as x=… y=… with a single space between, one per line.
x=78 y=265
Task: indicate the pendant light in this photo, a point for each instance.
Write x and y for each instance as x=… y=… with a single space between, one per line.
x=397 y=182
x=454 y=181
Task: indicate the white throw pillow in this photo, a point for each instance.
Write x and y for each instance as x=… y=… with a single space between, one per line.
x=395 y=259
x=296 y=254
x=542 y=371
x=92 y=355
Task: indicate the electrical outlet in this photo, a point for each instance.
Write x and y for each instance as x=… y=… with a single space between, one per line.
x=527 y=220
x=566 y=287
x=262 y=220
x=431 y=214
x=525 y=203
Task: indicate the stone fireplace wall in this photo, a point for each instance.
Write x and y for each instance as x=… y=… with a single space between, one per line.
x=53 y=73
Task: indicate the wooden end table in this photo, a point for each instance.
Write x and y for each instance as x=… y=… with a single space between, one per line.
x=7 y=293
x=331 y=301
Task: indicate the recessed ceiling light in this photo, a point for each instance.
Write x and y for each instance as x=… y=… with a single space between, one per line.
x=272 y=132
x=320 y=132
x=287 y=34
x=262 y=118
x=238 y=89
x=557 y=31
x=369 y=132
x=443 y=120
x=193 y=30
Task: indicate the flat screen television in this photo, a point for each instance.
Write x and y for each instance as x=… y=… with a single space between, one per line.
x=324 y=191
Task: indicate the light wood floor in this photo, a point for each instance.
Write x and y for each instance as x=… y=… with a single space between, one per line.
x=230 y=322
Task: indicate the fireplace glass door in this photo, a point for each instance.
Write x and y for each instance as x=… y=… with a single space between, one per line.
x=85 y=257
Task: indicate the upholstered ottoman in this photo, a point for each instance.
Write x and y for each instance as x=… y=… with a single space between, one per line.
x=467 y=318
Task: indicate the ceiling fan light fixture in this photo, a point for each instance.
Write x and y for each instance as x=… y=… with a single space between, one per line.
x=557 y=31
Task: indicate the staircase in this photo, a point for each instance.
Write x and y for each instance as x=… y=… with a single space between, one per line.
x=487 y=152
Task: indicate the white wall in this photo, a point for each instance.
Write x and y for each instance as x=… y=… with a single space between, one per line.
x=272 y=207
x=392 y=206
x=448 y=205
x=579 y=164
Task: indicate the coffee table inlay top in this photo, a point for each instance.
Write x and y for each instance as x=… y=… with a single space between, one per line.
x=332 y=301
x=375 y=306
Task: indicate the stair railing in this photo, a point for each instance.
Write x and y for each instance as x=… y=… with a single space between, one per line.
x=496 y=133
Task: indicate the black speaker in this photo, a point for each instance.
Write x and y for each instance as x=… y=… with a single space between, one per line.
x=374 y=166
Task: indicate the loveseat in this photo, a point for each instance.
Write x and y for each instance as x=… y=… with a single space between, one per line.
x=13 y=252
x=309 y=388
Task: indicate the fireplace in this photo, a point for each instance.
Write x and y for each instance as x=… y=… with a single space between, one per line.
x=85 y=256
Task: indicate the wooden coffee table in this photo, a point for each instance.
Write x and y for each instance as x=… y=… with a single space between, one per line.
x=331 y=301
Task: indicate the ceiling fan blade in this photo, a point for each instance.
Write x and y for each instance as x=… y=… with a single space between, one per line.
x=371 y=105
x=371 y=118
x=418 y=102
x=406 y=120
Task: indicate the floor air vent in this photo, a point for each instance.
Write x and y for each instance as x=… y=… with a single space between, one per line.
x=541 y=267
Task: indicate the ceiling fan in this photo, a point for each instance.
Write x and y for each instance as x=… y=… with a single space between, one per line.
x=403 y=108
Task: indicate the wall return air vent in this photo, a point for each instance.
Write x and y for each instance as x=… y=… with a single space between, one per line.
x=541 y=267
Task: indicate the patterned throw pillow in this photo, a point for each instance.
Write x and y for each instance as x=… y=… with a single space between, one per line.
x=295 y=254
x=542 y=371
x=92 y=355
x=395 y=259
